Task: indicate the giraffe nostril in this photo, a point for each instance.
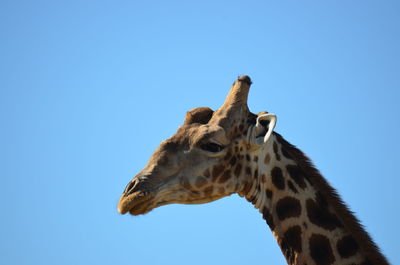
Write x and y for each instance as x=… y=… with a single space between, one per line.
x=131 y=187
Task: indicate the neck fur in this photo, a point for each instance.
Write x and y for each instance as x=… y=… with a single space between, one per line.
x=305 y=214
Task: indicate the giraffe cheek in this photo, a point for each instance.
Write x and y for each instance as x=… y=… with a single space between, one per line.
x=225 y=176
x=221 y=191
x=200 y=182
x=186 y=184
x=208 y=191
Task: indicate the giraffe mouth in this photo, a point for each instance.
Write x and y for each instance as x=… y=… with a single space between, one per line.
x=136 y=203
x=143 y=202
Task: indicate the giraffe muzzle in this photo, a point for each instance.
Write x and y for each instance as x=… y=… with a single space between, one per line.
x=135 y=203
x=136 y=197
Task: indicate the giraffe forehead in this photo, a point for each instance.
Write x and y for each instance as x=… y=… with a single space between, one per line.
x=206 y=132
x=221 y=127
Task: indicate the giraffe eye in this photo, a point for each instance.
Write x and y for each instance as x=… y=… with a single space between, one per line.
x=212 y=147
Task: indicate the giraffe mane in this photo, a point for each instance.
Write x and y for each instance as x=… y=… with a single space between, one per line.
x=347 y=217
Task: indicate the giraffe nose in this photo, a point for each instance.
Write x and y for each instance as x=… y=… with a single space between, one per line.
x=131 y=187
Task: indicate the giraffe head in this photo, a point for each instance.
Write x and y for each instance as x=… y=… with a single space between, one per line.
x=206 y=159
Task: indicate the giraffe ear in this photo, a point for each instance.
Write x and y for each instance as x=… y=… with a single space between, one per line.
x=198 y=115
x=263 y=129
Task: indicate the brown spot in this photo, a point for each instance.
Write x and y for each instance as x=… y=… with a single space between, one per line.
x=241 y=127
x=263 y=178
x=255 y=173
x=255 y=159
x=248 y=171
x=288 y=207
x=277 y=178
x=217 y=170
x=268 y=217
x=292 y=187
x=318 y=213
x=247 y=157
x=268 y=193
x=347 y=246
x=297 y=175
x=267 y=159
x=293 y=238
x=206 y=173
x=186 y=184
x=238 y=169
x=285 y=153
x=228 y=156
x=225 y=176
x=305 y=225
x=200 y=182
x=291 y=243
x=208 y=191
x=321 y=250
x=278 y=157
x=232 y=161
x=236 y=149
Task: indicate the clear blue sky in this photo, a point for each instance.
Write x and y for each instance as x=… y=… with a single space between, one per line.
x=88 y=89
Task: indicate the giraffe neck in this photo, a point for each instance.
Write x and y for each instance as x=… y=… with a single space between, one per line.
x=305 y=214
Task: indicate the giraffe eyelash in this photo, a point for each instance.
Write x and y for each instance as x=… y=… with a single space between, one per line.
x=212 y=147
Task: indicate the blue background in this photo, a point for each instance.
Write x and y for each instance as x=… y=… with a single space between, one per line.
x=88 y=89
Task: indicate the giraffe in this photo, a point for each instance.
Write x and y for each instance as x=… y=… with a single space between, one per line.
x=218 y=153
